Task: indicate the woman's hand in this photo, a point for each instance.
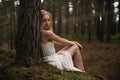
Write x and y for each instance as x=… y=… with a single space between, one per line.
x=79 y=45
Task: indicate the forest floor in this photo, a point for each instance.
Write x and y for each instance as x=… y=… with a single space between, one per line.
x=102 y=59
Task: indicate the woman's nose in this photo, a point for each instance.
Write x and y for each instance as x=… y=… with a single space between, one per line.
x=47 y=22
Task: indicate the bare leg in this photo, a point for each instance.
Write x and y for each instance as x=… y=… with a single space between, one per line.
x=76 y=56
x=77 y=59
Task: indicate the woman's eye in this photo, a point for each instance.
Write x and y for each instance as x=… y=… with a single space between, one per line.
x=44 y=20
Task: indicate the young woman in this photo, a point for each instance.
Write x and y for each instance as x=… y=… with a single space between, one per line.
x=69 y=58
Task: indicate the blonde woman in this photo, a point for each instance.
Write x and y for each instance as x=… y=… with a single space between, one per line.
x=69 y=58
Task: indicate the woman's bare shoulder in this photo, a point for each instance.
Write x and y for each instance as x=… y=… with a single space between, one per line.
x=48 y=32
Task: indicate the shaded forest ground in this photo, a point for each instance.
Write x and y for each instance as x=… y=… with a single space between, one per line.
x=102 y=59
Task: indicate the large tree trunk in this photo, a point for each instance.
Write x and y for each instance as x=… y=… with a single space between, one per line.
x=28 y=50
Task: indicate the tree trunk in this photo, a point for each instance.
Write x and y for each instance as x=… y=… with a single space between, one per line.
x=102 y=29
x=59 y=29
x=11 y=34
x=97 y=25
x=99 y=8
x=1 y=36
x=89 y=20
x=83 y=13
x=12 y=26
x=75 y=16
x=44 y=4
x=119 y=17
x=54 y=15
x=28 y=49
x=89 y=27
x=67 y=16
x=109 y=9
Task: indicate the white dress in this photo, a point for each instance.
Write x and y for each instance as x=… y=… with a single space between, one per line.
x=62 y=59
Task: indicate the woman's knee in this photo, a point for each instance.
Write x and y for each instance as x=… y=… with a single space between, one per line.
x=73 y=49
x=76 y=47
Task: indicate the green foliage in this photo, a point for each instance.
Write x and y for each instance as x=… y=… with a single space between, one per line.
x=6 y=58
x=7 y=19
x=29 y=61
x=116 y=37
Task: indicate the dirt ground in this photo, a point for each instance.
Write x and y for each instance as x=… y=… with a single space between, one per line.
x=102 y=59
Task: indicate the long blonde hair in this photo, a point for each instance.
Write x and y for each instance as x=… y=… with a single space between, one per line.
x=44 y=12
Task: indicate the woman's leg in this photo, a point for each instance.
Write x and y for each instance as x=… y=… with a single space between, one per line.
x=76 y=56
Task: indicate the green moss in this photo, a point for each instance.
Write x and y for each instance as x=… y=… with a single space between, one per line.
x=42 y=72
x=9 y=71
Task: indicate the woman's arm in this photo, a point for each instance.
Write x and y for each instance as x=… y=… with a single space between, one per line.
x=52 y=36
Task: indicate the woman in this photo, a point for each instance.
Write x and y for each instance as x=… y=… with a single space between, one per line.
x=69 y=58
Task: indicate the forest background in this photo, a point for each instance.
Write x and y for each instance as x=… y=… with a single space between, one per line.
x=93 y=23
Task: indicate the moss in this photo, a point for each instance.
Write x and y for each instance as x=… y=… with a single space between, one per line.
x=9 y=71
x=43 y=72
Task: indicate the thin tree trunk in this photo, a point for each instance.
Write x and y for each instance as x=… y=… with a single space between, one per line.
x=119 y=18
x=53 y=12
x=97 y=27
x=109 y=9
x=75 y=17
x=83 y=27
x=89 y=27
x=44 y=4
x=102 y=29
x=11 y=34
x=89 y=21
x=67 y=16
x=1 y=36
x=12 y=28
x=59 y=31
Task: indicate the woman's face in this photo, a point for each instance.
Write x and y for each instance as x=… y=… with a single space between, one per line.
x=46 y=22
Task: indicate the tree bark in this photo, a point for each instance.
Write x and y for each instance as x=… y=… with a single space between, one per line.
x=28 y=49
x=12 y=22
x=109 y=9
x=59 y=29
x=1 y=36
x=119 y=17
x=67 y=14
